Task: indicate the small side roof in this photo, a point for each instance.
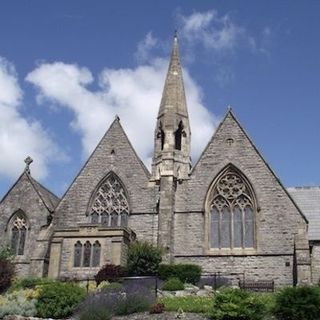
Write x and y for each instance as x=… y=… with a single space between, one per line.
x=49 y=199
x=308 y=199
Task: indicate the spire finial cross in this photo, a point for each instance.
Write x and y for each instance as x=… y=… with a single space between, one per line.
x=28 y=161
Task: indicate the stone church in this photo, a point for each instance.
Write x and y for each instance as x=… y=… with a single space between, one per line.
x=228 y=213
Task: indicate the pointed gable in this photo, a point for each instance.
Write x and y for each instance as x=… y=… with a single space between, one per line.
x=230 y=145
x=24 y=196
x=114 y=153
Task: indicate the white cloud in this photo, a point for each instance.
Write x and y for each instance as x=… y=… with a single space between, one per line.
x=20 y=137
x=145 y=46
x=214 y=32
x=134 y=94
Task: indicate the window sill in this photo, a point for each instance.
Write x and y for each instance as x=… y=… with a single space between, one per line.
x=232 y=252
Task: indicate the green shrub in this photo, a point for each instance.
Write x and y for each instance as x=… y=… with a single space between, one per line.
x=295 y=303
x=187 y=273
x=236 y=304
x=95 y=313
x=114 y=286
x=131 y=304
x=58 y=300
x=29 y=283
x=173 y=284
x=20 y=302
x=6 y=253
x=143 y=259
x=195 y=304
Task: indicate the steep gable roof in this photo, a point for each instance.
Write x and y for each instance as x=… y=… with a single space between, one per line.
x=231 y=120
x=113 y=152
x=49 y=199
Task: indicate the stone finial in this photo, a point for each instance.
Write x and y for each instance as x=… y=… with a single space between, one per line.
x=117 y=117
x=28 y=161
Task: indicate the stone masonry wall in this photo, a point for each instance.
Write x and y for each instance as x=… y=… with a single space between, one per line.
x=315 y=263
x=277 y=268
x=23 y=196
x=114 y=153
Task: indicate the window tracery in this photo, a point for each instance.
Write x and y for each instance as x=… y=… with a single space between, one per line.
x=110 y=204
x=231 y=213
x=19 y=229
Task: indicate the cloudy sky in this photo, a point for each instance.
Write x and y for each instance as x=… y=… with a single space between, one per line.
x=68 y=67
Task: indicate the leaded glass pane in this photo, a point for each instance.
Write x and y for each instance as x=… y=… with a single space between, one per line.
x=114 y=219
x=87 y=254
x=215 y=228
x=225 y=228
x=96 y=254
x=94 y=217
x=14 y=239
x=22 y=240
x=249 y=233
x=237 y=228
x=77 y=254
x=105 y=218
x=124 y=219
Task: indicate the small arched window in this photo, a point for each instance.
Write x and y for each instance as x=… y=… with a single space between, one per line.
x=109 y=202
x=87 y=254
x=77 y=254
x=96 y=254
x=178 y=136
x=18 y=230
x=231 y=212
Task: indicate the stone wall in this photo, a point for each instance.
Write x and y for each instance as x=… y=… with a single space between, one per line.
x=23 y=196
x=253 y=268
x=315 y=262
x=277 y=219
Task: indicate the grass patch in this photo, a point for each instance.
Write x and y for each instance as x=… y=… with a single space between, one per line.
x=193 y=304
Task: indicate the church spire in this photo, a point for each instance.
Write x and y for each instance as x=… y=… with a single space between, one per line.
x=173 y=96
x=172 y=134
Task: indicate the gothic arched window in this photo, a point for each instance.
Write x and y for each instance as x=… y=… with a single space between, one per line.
x=109 y=202
x=18 y=233
x=96 y=254
x=231 y=213
x=77 y=254
x=87 y=254
x=178 y=136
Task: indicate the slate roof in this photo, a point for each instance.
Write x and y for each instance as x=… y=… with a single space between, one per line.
x=50 y=200
x=308 y=199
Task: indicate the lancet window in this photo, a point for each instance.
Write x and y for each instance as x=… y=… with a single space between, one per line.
x=232 y=212
x=110 y=205
x=18 y=230
x=87 y=255
x=178 y=136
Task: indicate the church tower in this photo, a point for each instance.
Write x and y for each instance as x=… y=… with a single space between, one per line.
x=172 y=134
x=171 y=162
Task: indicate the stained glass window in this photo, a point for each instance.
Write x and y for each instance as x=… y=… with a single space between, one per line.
x=77 y=254
x=124 y=219
x=87 y=254
x=18 y=233
x=231 y=213
x=109 y=202
x=96 y=254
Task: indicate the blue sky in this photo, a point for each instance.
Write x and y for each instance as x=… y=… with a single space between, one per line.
x=68 y=67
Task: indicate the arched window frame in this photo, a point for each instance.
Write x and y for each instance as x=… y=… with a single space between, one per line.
x=212 y=195
x=123 y=204
x=20 y=223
